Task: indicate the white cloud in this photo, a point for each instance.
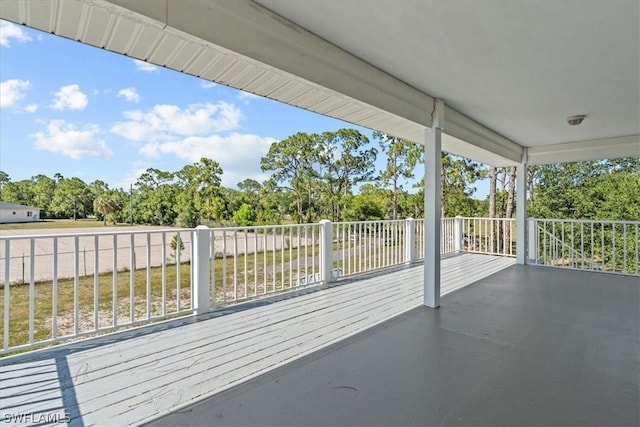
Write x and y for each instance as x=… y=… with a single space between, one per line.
x=129 y=94
x=246 y=96
x=207 y=84
x=10 y=31
x=31 y=108
x=138 y=168
x=11 y=91
x=65 y=138
x=70 y=97
x=144 y=66
x=239 y=155
x=168 y=122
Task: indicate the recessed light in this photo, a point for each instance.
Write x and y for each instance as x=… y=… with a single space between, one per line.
x=576 y=120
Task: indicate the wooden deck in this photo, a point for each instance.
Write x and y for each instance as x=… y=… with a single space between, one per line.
x=133 y=376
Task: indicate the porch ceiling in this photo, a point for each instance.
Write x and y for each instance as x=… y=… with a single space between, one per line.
x=510 y=73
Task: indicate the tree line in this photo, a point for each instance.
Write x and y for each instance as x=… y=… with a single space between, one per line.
x=333 y=175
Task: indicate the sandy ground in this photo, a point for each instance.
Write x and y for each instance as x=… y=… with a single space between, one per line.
x=150 y=246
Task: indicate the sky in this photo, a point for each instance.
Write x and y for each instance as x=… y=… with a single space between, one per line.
x=77 y=110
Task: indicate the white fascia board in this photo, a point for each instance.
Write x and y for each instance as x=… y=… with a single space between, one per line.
x=256 y=33
x=607 y=148
x=462 y=148
x=468 y=130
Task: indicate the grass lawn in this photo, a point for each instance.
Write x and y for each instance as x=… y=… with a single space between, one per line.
x=57 y=223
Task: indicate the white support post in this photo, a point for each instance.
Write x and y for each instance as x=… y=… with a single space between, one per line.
x=432 y=200
x=533 y=242
x=458 y=235
x=326 y=251
x=410 y=241
x=521 y=211
x=201 y=267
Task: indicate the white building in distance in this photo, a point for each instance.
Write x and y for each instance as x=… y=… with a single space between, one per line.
x=11 y=212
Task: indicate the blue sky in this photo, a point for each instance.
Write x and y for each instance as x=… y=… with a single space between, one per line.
x=81 y=111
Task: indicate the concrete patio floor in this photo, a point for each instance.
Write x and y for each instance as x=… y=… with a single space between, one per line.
x=525 y=346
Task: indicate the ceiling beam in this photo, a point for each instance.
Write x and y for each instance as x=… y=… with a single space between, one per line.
x=607 y=148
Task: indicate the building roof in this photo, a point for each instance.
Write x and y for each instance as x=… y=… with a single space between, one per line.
x=7 y=205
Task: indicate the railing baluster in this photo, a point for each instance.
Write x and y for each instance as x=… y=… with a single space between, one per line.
x=148 y=278
x=306 y=255
x=291 y=284
x=624 y=249
x=313 y=250
x=614 y=266
x=582 y=244
x=163 y=254
x=274 y=261
x=76 y=284
x=7 y=292
x=282 y=286
x=264 y=266
x=235 y=265
x=96 y=282
x=603 y=255
x=132 y=278
x=224 y=266
x=593 y=248
x=255 y=263
x=54 y=302
x=114 y=290
x=32 y=288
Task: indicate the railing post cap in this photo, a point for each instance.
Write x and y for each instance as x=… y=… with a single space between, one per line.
x=202 y=227
x=458 y=216
x=324 y=221
x=410 y=219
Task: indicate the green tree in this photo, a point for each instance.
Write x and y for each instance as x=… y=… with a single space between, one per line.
x=200 y=182
x=107 y=204
x=402 y=157
x=245 y=216
x=363 y=207
x=188 y=217
x=157 y=199
x=20 y=192
x=345 y=162
x=72 y=198
x=4 y=179
x=43 y=191
x=293 y=162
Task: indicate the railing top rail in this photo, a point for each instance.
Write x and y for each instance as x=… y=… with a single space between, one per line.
x=88 y=234
x=264 y=227
x=375 y=221
x=586 y=221
x=487 y=218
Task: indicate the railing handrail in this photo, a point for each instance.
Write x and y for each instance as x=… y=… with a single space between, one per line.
x=99 y=233
x=586 y=221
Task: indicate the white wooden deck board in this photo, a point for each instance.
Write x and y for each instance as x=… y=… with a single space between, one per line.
x=125 y=382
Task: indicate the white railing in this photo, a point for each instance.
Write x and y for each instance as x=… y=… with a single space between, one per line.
x=58 y=287
x=494 y=236
x=360 y=247
x=252 y=262
x=65 y=286
x=608 y=246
